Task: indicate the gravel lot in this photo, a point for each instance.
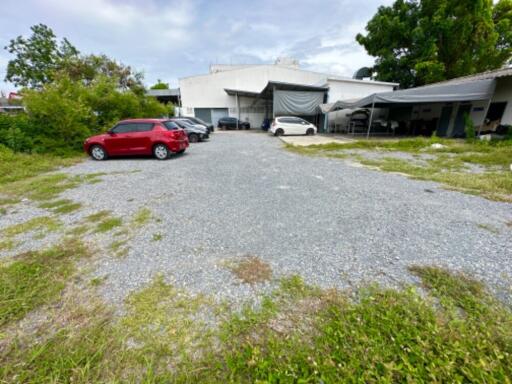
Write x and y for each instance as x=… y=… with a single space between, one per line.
x=241 y=194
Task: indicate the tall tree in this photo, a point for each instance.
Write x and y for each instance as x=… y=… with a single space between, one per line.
x=38 y=57
x=418 y=42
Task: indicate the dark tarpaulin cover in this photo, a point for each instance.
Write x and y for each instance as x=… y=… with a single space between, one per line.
x=436 y=93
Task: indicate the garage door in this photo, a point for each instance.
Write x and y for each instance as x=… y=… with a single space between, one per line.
x=204 y=114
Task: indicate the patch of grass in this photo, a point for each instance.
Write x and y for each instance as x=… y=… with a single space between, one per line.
x=78 y=230
x=165 y=324
x=492 y=185
x=108 y=224
x=119 y=247
x=35 y=278
x=96 y=281
x=456 y=333
x=62 y=206
x=142 y=217
x=98 y=216
x=7 y=245
x=19 y=166
x=157 y=237
x=43 y=187
x=450 y=165
x=489 y=228
x=251 y=270
x=42 y=224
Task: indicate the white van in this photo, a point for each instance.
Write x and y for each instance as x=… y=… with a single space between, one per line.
x=290 y=125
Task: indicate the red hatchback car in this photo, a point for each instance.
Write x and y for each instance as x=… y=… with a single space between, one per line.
x=157 y=137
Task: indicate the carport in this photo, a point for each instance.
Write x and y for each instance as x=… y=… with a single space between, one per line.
x=442 y=93
x=281 y=99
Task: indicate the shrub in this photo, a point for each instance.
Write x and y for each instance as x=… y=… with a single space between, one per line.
x=469 y=128
x=65 y=112
x=13 y=132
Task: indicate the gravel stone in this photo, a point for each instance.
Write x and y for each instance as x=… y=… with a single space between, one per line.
x=242 y=194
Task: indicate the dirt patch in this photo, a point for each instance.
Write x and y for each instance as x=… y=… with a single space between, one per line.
x=251 y=270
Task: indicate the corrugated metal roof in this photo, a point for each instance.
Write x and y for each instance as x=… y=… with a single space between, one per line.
x=502 y=72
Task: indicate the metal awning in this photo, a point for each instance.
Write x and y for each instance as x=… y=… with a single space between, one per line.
x=276 y=85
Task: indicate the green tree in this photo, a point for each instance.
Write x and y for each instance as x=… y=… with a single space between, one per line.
x=38 y=57
x=160 y=85
x=418 y=42
x=88 y=67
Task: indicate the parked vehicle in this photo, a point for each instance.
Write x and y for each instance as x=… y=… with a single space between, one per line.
x=197 y=120
x=231 y=123
x=138 y=137
x=290 y=125
x=191 y=122
x=265 y=125
x=194 y=132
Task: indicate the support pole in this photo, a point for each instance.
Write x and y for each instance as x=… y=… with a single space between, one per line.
x=485 y=116
x=371 y=119
x=237 y=110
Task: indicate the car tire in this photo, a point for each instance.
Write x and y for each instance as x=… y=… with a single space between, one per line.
x=98 y=153
x=279 y=132
x=224 y=127
x=161 y=152
x=310 y=131
x=193 y=138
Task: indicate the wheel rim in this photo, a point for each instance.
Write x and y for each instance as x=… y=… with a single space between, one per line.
x=193 y=138
x=98 y=153
x=161 y=152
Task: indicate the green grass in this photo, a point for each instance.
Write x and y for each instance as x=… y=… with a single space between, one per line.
x=449 y=165
x=19 y=166
x=108 y=224
x=456 y=332
x=142 y=217
x=157 y=237
x=35 y=278
x=61 y=206
x=43 y=188
x=42 y=224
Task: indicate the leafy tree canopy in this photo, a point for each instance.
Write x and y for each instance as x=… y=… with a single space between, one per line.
x=160 y=85
x=37 y=57
x=40 y=59
x=89 y=67
x=418 y=42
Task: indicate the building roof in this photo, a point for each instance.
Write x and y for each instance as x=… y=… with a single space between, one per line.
x=327 y=76
x=497 y=73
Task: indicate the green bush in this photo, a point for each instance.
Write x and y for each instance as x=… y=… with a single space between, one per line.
x=469 y=128
x=13 y=132
x=62 y=114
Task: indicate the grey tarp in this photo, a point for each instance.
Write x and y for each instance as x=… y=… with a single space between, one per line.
x=297 y=102
x=436 y=93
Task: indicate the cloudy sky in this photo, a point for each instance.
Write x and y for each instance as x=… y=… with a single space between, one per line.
x=169 y=39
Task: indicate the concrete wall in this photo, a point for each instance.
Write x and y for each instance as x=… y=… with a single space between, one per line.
x=348 y=89
x=504 y=93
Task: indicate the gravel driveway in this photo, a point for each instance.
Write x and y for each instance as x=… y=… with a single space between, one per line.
x=334 y=224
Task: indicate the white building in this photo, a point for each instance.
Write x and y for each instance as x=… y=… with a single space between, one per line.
x=255 y=92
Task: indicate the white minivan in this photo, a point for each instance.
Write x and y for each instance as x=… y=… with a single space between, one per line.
x=290 y=125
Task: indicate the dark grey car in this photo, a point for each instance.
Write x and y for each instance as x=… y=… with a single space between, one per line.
x=194 y=133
